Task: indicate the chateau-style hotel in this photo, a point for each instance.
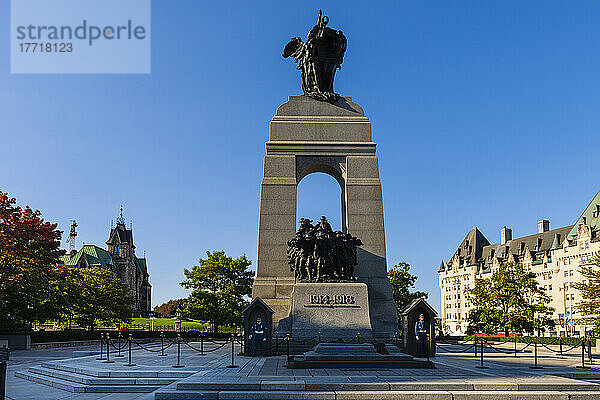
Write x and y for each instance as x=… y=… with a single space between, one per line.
x=555 y=256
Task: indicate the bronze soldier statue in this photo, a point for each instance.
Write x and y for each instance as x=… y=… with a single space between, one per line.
x=318 y=254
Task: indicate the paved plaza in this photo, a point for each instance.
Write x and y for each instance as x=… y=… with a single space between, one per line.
x=208 y=376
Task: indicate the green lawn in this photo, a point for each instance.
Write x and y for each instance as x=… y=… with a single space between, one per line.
x=167 y=323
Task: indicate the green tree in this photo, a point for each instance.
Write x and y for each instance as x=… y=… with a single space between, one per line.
x=402 y=282
x=510 y=299
x=29 y=254
x=95 y=294
x=590 y=293
x=220 y=287
x=167 y=310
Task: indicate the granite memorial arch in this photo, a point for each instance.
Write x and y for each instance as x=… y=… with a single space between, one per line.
x=308 y=136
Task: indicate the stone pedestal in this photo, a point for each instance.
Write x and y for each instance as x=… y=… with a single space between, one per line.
x=335 y=310
x=308 y=136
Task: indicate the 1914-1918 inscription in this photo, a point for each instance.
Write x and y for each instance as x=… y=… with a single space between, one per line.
x=339 y=300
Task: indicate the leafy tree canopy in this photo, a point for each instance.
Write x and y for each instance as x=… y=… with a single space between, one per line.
x=95 y=294
x=590 y=292
x=29 y=253
x=167 y=310
x=402 y=282
x=510 y=299
x=220 y=288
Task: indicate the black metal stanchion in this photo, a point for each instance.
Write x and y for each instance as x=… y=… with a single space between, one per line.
x=178 y=352
x=560 y=347
x=515 y=345
x=101 y=347
x=582 y=355
x=475 y=346
x=276 y=345
x=108 y=361
x=4 y=357
x=358 y=336
x=589 y=341
x=129 y=363
x=535 y=355
x=428 y=349
x=119 y=336
x=481 y=366
x=202 y=353
x=232 y=353
x=162 y=345
x=319 y=337
x=396 y=338
x=287 y=337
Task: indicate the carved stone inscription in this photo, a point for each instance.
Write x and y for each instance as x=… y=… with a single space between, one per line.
x=338 y=300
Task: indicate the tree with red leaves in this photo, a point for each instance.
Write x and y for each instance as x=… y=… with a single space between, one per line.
x=29 y=255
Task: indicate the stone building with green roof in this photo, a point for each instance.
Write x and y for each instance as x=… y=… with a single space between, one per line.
x=554 y=256
x=119 y=256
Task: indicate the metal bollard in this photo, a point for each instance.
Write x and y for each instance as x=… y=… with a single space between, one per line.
x=162 y=345
x=319 y=337
x=101 y=347
x=129 y=363
x=475 y=346
x=4 y=357
x=590 y=360
x=276 y=345
x=428 y=348
x=178 y=353
x=582 y=355
x=560 y=347
x=287 y=337
x=481 y=366
x=119 y=336
x=108 y=361
x=2 y=380
x=515 y=345
x=535 y=355
x=202 y=353
x=232 y=353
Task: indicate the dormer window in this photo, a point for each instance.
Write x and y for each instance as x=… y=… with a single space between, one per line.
x=116 y=249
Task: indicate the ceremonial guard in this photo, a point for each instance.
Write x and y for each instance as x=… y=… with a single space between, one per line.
x=421 y=331
x=258 y=337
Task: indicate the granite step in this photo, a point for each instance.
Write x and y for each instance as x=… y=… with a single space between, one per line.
x=76 y=387
x=170 y=394
x=105 y=373
x=88 y=380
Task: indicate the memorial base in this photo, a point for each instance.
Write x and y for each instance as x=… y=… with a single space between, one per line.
x=331 y=311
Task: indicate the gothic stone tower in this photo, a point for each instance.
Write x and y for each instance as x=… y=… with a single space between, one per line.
x=307 y=136
x=133 y=271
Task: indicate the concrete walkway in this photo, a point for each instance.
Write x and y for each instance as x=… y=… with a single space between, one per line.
x=209 y=373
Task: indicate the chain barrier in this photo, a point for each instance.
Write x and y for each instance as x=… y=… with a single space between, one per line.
x=150 y=350
x=455 y=351
x=221 y=345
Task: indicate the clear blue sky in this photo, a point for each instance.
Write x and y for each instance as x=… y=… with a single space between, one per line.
x=485 y=114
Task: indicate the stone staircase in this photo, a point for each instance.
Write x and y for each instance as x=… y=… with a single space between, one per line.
x=290 y=388
x=95 y=380
x=339 y=355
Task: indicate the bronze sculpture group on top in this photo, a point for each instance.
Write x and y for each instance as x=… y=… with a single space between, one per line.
x=318 y=59
x=318 y=254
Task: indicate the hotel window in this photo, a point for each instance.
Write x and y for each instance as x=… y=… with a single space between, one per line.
x=571 y=272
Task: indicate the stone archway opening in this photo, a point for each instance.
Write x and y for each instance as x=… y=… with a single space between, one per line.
x=319 y=194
